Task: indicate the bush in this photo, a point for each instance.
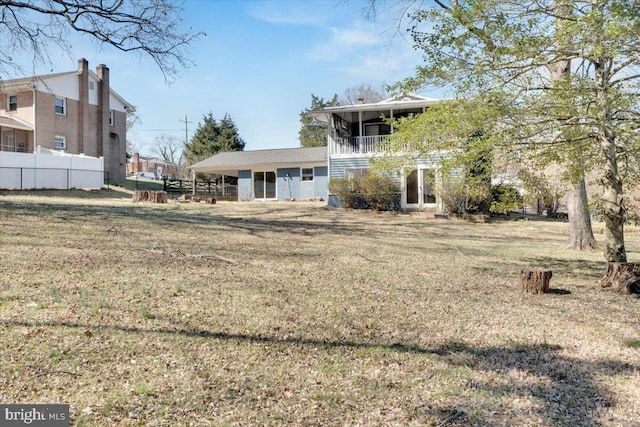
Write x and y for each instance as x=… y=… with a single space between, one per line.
x=505 y=198
x=461 y=196
x=367 y=192
x=378 y=191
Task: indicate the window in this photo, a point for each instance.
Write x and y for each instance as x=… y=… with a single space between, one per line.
x=13 y=102
x=356 y=173
x=92 y=85
x=60 y=142
x=111 y=118
x=307 y=174
x=61 y=106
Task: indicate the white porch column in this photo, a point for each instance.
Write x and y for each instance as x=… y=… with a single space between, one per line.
x=361 y=137
x=193 y=177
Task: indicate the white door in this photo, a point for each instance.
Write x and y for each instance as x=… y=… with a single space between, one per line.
x=419 y=189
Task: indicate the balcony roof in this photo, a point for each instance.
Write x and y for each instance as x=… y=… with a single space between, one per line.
x=402 y=102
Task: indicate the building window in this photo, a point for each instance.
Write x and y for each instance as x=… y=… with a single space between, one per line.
x=61 y=106
x=92 y=85
x=356 y=173
x=13 y=102
x=60 y=142
x=307 y=174
x=111 y=118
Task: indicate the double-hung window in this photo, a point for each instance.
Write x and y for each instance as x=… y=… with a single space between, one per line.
x=61 y=106
x=111 y=118
x=13 y=102
x=60 y=142
x=307 y=174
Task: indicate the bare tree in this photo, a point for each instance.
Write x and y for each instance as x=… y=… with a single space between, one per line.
x=169 y=148
x=362 y=93
x=149 y=27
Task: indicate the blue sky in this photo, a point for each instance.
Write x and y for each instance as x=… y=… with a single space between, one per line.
x=260 y=62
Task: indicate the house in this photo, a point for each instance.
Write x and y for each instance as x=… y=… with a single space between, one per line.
x=76 y=112
x=357 y=133
x=276 y=174
x=158 y=167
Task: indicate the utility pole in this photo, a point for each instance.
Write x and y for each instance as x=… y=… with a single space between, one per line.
x=186 y=141
x=186 y=129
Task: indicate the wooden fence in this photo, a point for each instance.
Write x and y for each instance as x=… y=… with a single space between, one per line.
x=183 y=186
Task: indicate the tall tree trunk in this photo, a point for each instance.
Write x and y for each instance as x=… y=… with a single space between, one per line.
x=580 y=231
x=612 y=202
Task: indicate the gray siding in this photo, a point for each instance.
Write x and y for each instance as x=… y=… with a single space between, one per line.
x=321 y=181
x=338 y=165
x=288 y=184
x=245 y=192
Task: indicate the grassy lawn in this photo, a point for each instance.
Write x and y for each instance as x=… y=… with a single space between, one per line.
x=293 y=314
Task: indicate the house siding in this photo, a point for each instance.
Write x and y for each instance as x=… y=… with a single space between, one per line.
x=339 y=164
x=245 y=192
x=321 y=183
x=288 y=184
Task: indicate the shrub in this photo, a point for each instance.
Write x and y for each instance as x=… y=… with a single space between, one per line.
x=504 y=199
x=346 y=189
x=379 y=191
x=367 y=192
x=461 y=196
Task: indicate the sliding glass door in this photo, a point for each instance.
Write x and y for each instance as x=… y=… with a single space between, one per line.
x=264 y=185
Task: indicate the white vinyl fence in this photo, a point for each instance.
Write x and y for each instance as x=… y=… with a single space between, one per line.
x=50 y=169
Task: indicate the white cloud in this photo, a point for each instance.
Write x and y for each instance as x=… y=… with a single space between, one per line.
x=293 y=13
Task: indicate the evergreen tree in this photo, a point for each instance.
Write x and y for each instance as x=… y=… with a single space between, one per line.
x=212 y=137
x=312 y=132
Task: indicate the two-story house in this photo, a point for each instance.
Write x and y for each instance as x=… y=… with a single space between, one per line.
x=76 y=112
x=356 y=133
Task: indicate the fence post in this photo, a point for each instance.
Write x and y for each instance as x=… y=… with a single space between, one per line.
x=21 y=177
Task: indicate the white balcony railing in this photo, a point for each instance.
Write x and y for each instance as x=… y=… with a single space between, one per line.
x=358 y=145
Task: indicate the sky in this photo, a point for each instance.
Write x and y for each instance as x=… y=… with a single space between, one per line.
x=259 y=62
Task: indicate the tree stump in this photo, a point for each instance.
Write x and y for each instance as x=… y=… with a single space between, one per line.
x=535 y=282
x=150 y=196
x=623 y=277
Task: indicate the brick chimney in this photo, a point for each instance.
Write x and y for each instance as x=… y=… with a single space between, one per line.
x=103 y=111
x=83 y=105
x=136 y=162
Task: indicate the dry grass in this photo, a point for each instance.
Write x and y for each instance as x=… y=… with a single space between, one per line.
x=292 y=314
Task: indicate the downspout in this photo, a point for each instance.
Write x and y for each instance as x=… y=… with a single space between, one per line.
x=35 y=133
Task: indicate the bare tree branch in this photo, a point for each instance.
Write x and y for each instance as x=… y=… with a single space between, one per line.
x=150 y=27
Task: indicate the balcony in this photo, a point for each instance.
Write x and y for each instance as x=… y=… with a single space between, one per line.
x=358 y=145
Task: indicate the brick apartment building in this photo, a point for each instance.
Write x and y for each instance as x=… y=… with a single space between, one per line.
x=76 y=112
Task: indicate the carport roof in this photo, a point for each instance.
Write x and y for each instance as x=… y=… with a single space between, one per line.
x=230 y=162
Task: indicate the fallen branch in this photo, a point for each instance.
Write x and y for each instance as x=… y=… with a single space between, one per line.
x=218 y=257
x=372 y=260
x=455 y=415
x=42 y=374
